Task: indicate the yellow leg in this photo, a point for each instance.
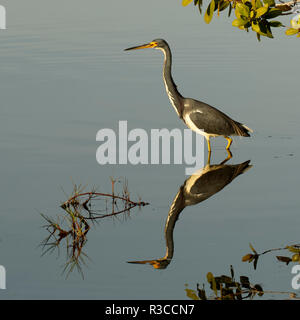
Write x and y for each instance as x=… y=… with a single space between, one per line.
x=228 y=157
x=208 y=158
x=229 y=142
x=208 y=144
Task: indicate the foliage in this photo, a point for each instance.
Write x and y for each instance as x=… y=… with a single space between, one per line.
x=226 y=287
x=72 y=226
x=294 y=251
x=255 y=15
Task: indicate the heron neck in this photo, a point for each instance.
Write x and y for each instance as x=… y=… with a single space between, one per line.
x=171 y=88
x=176 y=208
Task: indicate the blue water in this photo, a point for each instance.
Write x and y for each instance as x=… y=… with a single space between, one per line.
x=64 y=76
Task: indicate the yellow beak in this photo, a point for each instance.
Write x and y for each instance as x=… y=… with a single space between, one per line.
x=152 y=44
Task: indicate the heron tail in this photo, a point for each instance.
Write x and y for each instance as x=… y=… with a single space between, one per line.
x=241 y=129
x=247 y=128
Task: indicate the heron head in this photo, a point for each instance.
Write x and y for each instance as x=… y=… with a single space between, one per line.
x=156 y=43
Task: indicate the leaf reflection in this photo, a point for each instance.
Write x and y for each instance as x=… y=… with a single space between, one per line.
x=79 y=210
x=226 y=287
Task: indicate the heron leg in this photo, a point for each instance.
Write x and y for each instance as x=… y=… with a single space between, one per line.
x=208 y=144
x=208 y=159
x=229 y=142
x=228 y=157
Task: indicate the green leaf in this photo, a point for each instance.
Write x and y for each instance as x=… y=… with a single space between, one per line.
x=255 y=27
x=230 y=9
x=271 y=3
x=261 y=11
x=239 y=22
x=276 y=24
x=209 y=12
x=258 y=4
x=273 y=13
x=242 y=9
x=224 y=5
x=186 y=2
x=200 y=6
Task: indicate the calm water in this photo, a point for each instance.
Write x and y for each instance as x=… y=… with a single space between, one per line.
x=64 y=76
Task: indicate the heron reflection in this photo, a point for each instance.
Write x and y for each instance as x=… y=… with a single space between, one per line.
x=200 y=186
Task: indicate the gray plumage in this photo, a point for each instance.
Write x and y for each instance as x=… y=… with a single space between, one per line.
x=197 y=188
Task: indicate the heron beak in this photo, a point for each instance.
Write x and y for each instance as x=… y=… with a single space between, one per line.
x=152 y=44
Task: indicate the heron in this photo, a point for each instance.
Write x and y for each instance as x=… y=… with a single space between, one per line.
x=200 y=186
x=197 y=115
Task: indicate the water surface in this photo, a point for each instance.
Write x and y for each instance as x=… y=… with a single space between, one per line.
x=64 y=76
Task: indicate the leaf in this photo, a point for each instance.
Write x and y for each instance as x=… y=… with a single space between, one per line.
x=230 y=9
x=186 y=2
x=247 y=257
x=259 y=289
x=251 y=247
x=239 y=22
x=224 y=5
x=276 y=24
x=293 y=248
x=273 y=13
x=232 y=272
x=290 y=32
x=296 y=257
x=242 y=9
x=209 y=12
x=209 y=277
x=245 y=282
x=191 y=294
x=286 y=260
x=271 y=3
x=255 y=262
x=200 y=6
x=258 y=4
x=225 y=279
x=261 y=11
x=201 y=293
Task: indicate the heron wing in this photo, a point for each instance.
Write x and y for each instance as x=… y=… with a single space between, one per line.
x=212 y=120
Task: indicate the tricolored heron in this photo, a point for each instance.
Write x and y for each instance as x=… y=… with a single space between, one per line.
x=198 y=116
